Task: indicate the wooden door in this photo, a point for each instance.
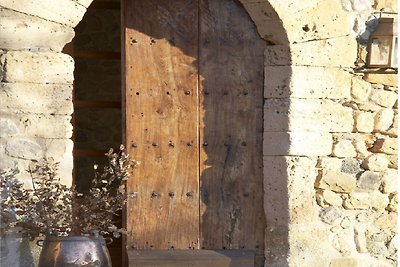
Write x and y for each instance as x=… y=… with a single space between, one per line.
x=194 y=105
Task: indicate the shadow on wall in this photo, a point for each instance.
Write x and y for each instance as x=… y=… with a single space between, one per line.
x=238 y=183
x=15 y=251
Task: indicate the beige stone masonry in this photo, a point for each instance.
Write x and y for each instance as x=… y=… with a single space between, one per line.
x=36 y=125
x=332 y=198
x=290 y=201
x=286 y=174
x=384 y=98
x=383 y=120
x=37 y=67
x=387 y=79
x=306 y=82
x=307 y=249
x=364 y=122
x=20 y=31
x=20 y=150
x=344 y=149
x=85 y=3
x=387 y=5
x=376 y=162
x=360 y=90
x=358 y=200
x=304 y=22
x=262 y=14
x=309 y=25
x=337 y=181
x=303 y=54
x=306 y=115
x=297 y=143
x=36 y=98
x=389 y=181
x=67 y=12
x=393 y=130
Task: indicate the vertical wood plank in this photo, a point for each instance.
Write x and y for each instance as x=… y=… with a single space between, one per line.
x=162 y=123
x=231 y=119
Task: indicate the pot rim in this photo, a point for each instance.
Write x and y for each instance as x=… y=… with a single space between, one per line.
x=73 y=238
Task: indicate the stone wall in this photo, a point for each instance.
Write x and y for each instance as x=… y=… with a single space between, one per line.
x=330 y=141
x=36 y=82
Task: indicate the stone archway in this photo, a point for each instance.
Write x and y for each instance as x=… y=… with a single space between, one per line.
x=305 y=61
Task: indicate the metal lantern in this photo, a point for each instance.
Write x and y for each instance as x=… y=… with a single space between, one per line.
x=382 y=47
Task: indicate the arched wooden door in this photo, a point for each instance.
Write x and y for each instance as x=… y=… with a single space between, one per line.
x=194 y=105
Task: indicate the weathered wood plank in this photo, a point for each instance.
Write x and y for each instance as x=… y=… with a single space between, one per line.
x=192 y=258
x=231 y=110
x=162 y=123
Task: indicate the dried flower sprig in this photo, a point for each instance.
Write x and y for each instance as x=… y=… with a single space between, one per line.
x=53 y=209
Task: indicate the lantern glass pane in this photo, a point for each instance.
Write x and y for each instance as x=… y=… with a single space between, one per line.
x=394 y=53
x=380 y=51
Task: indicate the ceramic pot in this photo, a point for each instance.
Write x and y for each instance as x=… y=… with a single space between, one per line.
x=74 y=251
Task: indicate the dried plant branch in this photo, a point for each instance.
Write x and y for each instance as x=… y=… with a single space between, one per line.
x=51 y=208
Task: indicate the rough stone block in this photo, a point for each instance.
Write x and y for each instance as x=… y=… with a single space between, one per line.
x=289 y=188
x=309 y=25
x=383 y=120
x=330 y=215
x=343 y=149
x=36 y=98
x=389 y=181
x=329 y=163
x=304 y=248
x=332 y=198
x=387 y=145
x=350 y=166
x=387 y=221
x=21 y=150
x=39 y=67
x=306 y=82
x=387 y=79
x=37 y=125
x=336 y=181
x=360 y=90
x=384 y=98
x=306 y=115
x=8 y=127
x=20 y=31
x=364 y=122
x=369 y=181
x=263 y=14
x=297 y=144
x=376 y=162
x=66 y=12
x=303 y=54
x=379 y=201
x=277 y=246
x=272 y=31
